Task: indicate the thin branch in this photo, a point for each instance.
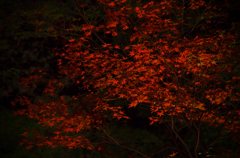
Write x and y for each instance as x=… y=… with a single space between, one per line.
x=174 y=140
x=116 y=142
x=232 y=134
x=193 y=131
x=181 y=128
x=163 y=150
x=197 y=20
x=101 y=40
x=182 y=16
x=222 y=136
x=198 y=132
x=172 y=130
x=110 y=136
x=189 y=153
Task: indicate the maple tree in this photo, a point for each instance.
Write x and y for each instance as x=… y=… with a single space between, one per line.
x=184 y=68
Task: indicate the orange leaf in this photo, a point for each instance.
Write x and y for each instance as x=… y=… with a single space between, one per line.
x=71 y=40
x=173 y=154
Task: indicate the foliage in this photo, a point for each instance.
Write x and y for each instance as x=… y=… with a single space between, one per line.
x=10 y=130
x=174 y=58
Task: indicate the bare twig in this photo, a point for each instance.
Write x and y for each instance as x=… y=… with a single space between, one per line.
x=198 y=129
x=193 y=131
x=101 y=40
x=117 y=143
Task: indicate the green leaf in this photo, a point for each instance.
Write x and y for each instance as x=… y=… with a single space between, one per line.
x=109 y=77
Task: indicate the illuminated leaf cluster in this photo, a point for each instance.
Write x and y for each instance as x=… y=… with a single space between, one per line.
x=154 y=68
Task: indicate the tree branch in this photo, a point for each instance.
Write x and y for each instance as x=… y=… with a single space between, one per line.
x=116 y=142
x=194 y=132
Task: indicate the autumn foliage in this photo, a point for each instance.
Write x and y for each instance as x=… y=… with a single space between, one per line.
x=175 y=58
